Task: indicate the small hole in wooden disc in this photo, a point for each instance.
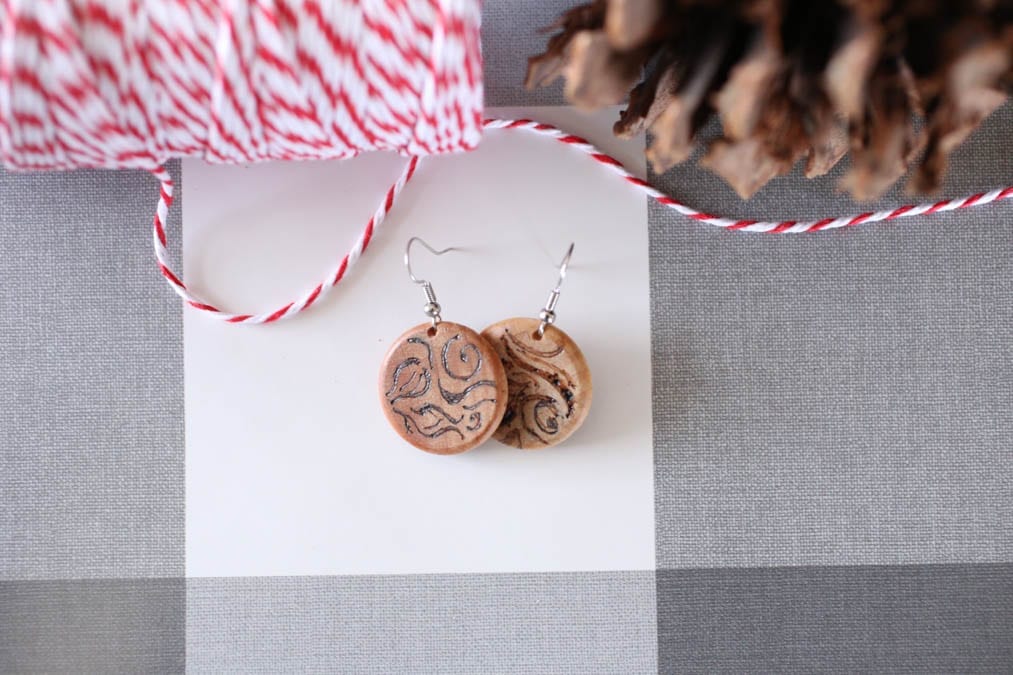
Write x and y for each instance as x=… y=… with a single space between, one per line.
x=536 y=336
x=432 y=331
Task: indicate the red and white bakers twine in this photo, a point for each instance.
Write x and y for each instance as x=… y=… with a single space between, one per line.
x=131 y=84
x=307 y=299
x=767 y=227
x=581 y=144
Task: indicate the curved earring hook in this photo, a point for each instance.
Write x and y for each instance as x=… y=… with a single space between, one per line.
x=563 y=265
x=548 y=313
x=408 y=256
x=432 y=308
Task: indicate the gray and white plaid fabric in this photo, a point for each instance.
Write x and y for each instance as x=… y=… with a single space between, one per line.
x=833 y=453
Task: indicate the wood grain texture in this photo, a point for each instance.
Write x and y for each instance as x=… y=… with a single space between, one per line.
x=549 y=380
x=443 y=390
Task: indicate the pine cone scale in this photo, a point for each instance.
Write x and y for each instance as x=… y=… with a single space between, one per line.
x=791 y=79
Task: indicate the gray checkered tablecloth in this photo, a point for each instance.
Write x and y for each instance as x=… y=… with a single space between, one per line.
x=833 y=448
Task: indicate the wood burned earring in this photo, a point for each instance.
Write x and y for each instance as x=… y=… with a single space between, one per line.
x=549 y=380
x=442 y=386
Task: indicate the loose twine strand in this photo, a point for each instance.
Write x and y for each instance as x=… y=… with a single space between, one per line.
x=131 y=84
x=582 y=145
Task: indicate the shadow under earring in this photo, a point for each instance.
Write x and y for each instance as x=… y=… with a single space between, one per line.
x=549 y=380
x=442 y=386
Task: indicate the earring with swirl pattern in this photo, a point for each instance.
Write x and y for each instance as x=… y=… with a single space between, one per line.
x=442 y=386
x=549 y=379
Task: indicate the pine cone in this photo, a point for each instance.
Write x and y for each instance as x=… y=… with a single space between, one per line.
x=888 y=80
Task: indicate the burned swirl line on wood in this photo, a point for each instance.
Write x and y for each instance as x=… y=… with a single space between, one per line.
x=406 y=390
x=541 y=391
x=466 y=352
x=450 y=414
x=420 y=373
x=541 y=365
x=549 y=383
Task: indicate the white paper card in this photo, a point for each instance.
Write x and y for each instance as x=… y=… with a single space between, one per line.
x=291 y=466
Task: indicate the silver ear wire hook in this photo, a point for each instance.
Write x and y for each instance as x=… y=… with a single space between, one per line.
x=432 y=308
x=548 y=313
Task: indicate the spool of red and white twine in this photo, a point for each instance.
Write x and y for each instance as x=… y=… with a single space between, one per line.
x=132 y=84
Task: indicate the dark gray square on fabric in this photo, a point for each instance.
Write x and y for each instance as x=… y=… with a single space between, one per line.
x=902 y=619
x=92 y=626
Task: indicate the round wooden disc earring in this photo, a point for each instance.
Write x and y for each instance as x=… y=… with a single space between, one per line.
x=548 y=377
x=549 y=383
x=443 y=388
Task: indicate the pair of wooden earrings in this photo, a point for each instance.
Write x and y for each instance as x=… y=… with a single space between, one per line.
x=447 y=389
